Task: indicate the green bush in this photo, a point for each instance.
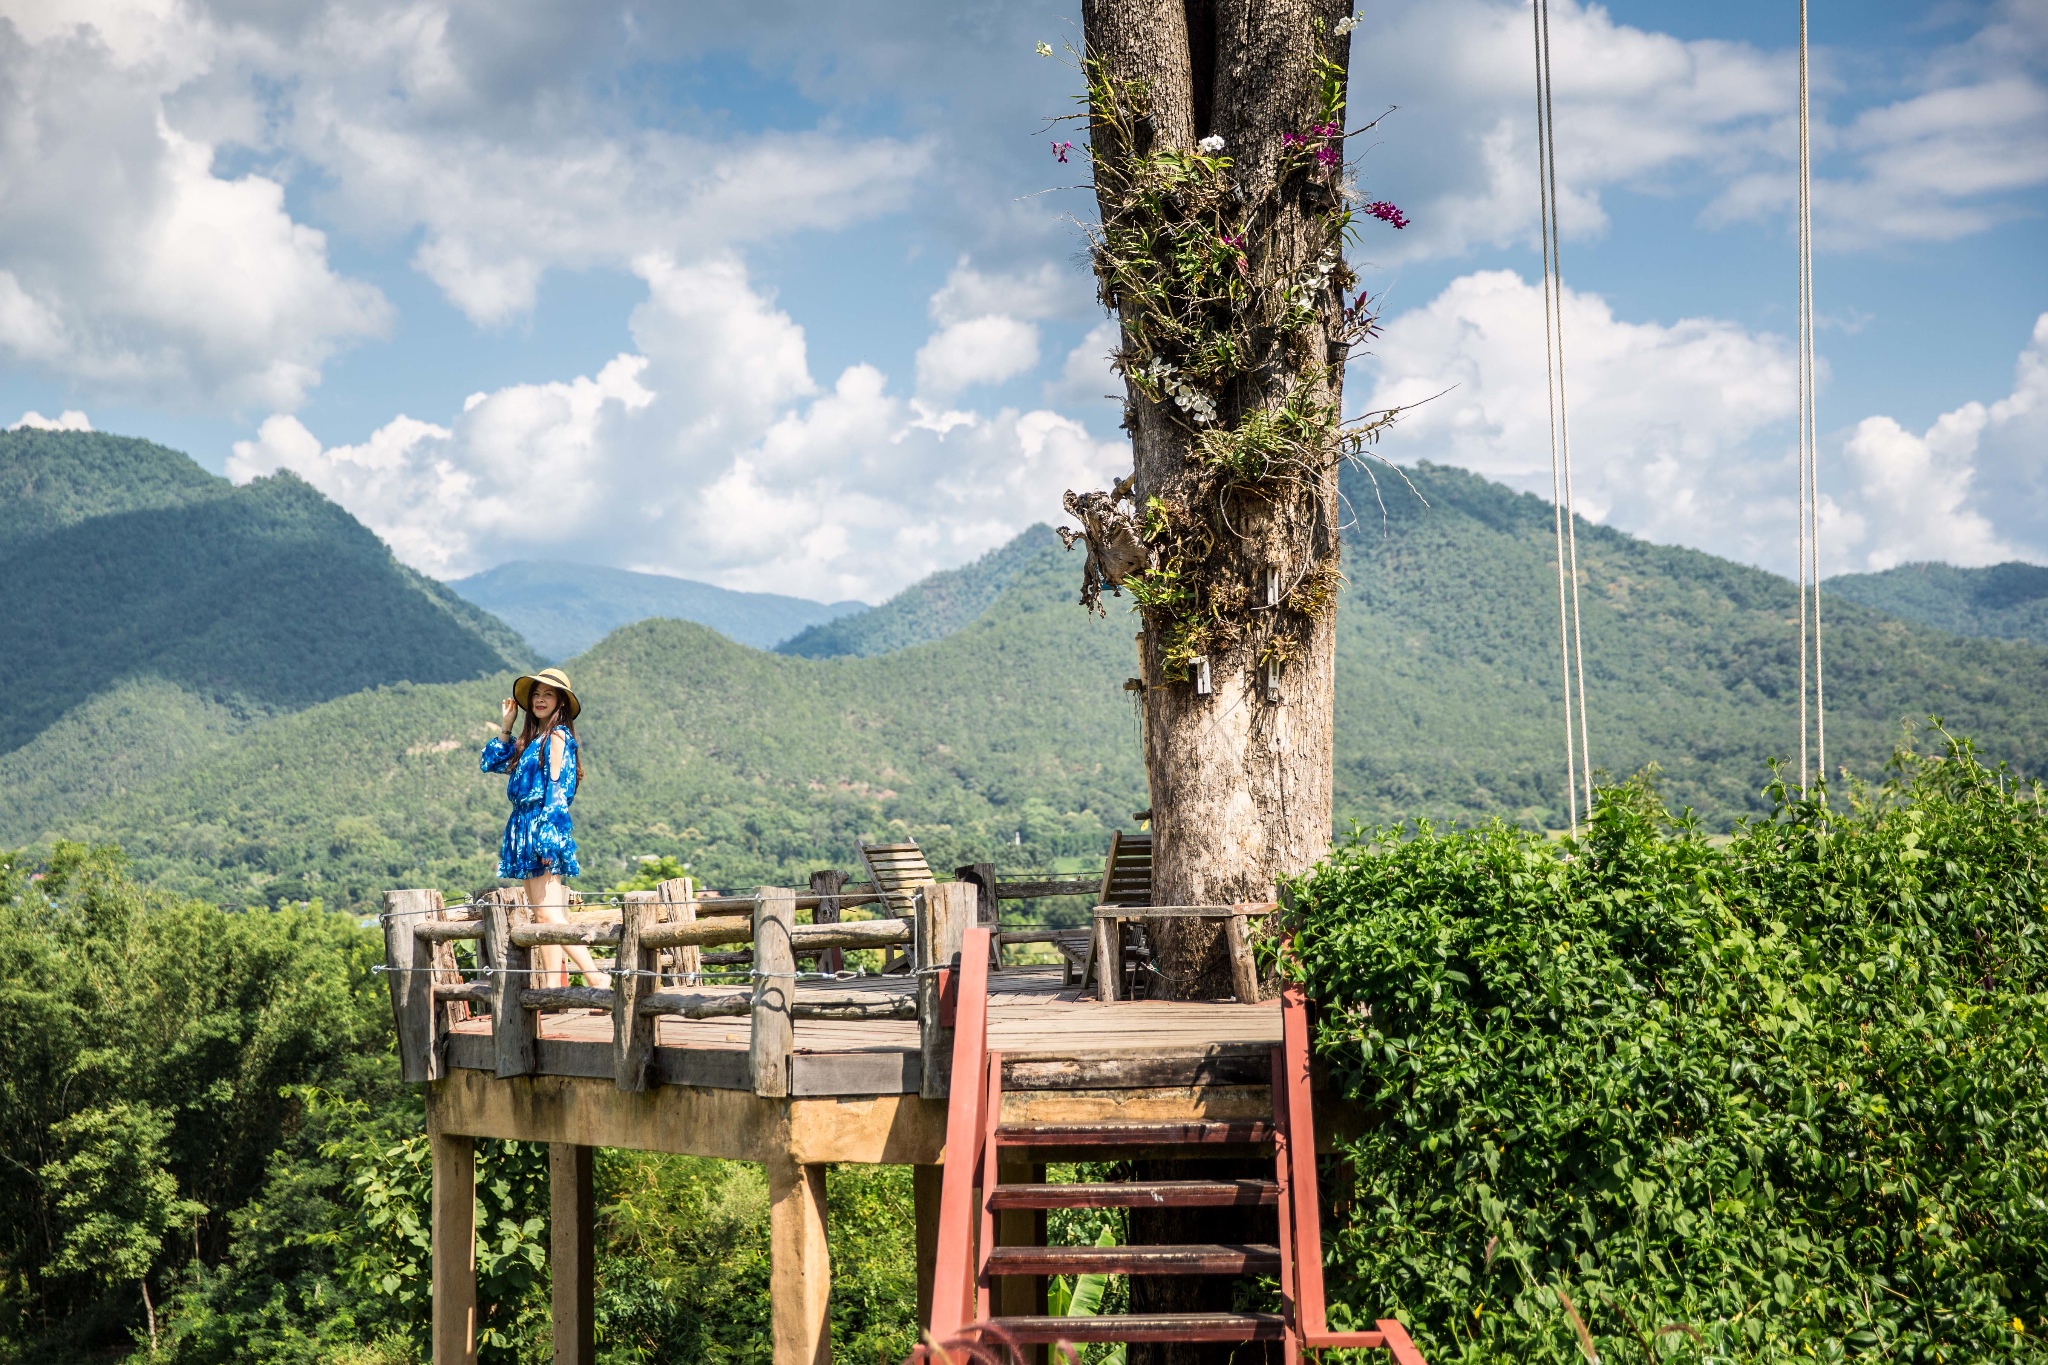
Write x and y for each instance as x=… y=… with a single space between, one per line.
x=1657 y=1096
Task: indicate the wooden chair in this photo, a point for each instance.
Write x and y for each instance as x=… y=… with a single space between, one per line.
x=1126 y=880
x=897 y=870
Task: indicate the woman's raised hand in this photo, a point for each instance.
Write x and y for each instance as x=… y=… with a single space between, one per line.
x=507 y=709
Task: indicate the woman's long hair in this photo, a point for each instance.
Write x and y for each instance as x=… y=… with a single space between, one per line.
x=532 y=731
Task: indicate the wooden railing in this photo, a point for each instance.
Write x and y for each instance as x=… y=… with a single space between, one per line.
x=660 y=937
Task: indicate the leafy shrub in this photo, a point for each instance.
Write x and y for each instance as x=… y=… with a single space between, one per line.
x=1648 y=1097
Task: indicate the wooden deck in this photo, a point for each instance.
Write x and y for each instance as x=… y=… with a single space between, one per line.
x=1051 y=1035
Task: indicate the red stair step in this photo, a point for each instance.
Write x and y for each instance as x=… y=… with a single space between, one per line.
x=1198 y=1258
x=1246 y=1131
x=1136 y=1194
x=1146 y=1327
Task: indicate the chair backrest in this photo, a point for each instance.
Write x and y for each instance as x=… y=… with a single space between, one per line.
x=897 y=870
x=1127 y=874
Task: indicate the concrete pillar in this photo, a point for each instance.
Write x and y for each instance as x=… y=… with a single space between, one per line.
x=572 y=1254
x=454 y=1249
x=800 y=1264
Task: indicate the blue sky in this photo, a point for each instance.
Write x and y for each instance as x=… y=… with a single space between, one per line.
x=797 y=303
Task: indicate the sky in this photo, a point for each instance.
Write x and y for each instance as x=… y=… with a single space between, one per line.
x=794 y=298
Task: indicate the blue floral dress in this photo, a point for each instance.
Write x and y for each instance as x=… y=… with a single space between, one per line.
x=539 y=837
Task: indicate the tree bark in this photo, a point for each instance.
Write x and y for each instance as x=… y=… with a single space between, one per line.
x=1240 y=777
x=1240 y=773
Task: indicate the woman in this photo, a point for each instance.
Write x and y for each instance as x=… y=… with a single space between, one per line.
x=539 y=846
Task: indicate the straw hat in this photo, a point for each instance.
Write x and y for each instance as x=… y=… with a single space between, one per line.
x=522 y=690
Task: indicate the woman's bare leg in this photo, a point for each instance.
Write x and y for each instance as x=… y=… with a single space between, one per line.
x=550 y=904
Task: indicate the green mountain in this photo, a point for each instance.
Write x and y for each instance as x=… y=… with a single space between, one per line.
x=927 y=610
x=130 y=571
x=1012 y=739
x=2005 y=601
x=562 y=609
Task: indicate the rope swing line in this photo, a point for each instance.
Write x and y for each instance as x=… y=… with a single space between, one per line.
x=1577 y=754
x=1809 y=442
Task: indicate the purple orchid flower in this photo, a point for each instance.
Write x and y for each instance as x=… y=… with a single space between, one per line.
x=1060 y=150
x=1387 y=213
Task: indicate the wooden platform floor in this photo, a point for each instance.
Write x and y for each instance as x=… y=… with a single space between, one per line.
x=1029 y=1013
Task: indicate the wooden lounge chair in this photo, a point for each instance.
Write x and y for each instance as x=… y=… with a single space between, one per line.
x=897 y=871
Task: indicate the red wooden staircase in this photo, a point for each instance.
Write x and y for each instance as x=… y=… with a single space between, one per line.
x=970 y=1260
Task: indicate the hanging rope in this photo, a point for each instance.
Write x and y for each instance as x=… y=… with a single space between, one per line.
x=1577 y=756
x=1809 y=449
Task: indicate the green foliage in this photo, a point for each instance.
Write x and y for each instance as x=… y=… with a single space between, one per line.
x=144 y=1045
x=1784 y=1098
x=651 y=873
x=2006 y=601
x=115 y=1200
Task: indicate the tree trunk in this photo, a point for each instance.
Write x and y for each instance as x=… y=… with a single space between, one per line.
x=1240 y=775
x=149 y=1310
x=1224 y=266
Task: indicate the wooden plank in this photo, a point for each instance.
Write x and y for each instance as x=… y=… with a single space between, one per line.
x=925 y=1183
x=1041 y=890
x=632 y=1028
x=945 y=911
x=894 y=1072
x=1244 y=973
x=566 y=998
x=407 y=963
x=678 y=897
x=1199 y=1258
x=572 y=1252
x=1108 y=959
x=722 y=1070
x=514 y=1028
x=446 y=931
x=1185 y=911
x=1245 y=1064
x=826 y=883
x=800 y=1264
x=452 y=1244
x=1039 y=1331
x=1022 y=1227
x=774 y=990
x=1137 y=1194
x=583 y=934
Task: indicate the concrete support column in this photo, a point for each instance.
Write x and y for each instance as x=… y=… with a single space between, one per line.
x=800 y=1264
x=572 y=1254
x=454 y=1249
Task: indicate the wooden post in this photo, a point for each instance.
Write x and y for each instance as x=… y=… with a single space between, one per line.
x=925 y=1184
x=514 y=1029
x=632 y=1031
x=826 y=883
x=1244 y=973
x=411 y=982
x=1109 y=958
x=800 y=1264
x=572 y=1253
x=1020 y=1295
x=774 y=1035
x=453 y=1246
x=982 y=877
x=679 y=906
x=943 y=913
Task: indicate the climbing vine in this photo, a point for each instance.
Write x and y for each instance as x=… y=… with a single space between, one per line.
x=1236 y=327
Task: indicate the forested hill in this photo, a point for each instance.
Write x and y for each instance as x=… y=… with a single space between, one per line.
x=129 y=567
x=1012 y=738
x=926 y=610
x=2007 y=601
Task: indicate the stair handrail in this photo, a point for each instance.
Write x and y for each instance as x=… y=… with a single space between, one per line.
x=1311 y=1313
x=953 y=1280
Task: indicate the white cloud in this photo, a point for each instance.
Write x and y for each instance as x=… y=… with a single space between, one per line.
x=1971 y=489
x=983 y=350
x=71 y=419
x=1646 y=111
x=1682 y=433
x=709 y=453
x=133 y=268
